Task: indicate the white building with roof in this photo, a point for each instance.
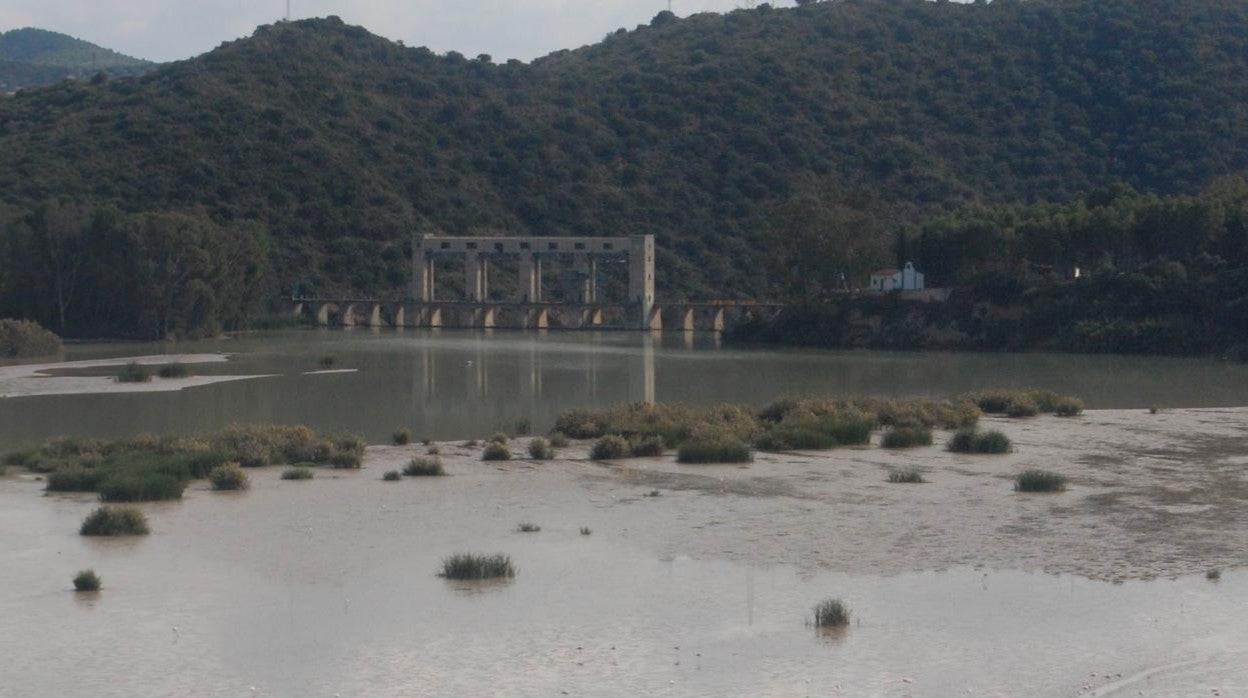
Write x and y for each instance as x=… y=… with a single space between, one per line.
x=907 y=279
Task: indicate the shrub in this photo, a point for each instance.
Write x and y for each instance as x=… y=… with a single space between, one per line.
x=499 y=438
x=174 y=370
x=73 y=478
x=115 y=521
x=432 y=451
x=1068 y=407
x=527 y=528
x=609 y=447
x=906 y=437
x=585 y=531
x=470 y=566
x=229 y=476
x=133 y=373
x=402 y=437
x=907 y=476
x=831 y=613
x=539 y=449
x=1022 y=407
x=136 y=485
x=558 y=440
x=972 y=441
x=347 y=452
x=581 y=424
x=721 y=449
x=392 y=476
x=649 y=447
x=299 y=472
x=87 y=580
x=1040 y=481
x=795 y=438
x=496 y=451
x=201 y=464
x=423 y=467
x=470 y=443
x=1213 y=575
x=24 y=339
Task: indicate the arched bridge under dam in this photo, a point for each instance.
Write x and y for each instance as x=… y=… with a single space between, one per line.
x=709 y=316
x=588 y=309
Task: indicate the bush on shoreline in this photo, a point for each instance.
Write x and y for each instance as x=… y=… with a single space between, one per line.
x=906 y=437
x=495 y=451
x=609 y=447
x=298 y=472
x=470 y=566
x=147 y=468
x=539 y=449
x=972 y=441
x=1040 y=481
x=714 y=448
x=831 y=613
x=115 y=521
x=24 y=339
x=229 y=476
x=133 y=372
x=87 y=580
x=424 y=466
x=174 y=370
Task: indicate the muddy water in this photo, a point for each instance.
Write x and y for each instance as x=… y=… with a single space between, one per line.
x=459 y=384
x=327 y=587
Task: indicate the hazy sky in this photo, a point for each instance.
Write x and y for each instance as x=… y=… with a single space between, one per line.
x=164 y=30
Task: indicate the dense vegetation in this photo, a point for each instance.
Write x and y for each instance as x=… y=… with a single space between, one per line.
x=793 y=141
x=32 y=57
x=1154 y=275
x=23 y=338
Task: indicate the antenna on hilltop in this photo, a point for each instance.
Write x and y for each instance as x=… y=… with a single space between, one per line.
x=287 y=10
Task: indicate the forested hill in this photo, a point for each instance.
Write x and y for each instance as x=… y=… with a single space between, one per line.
x=32 y=57
x=720 y=133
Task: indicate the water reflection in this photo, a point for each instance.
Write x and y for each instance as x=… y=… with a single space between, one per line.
x=451 y=384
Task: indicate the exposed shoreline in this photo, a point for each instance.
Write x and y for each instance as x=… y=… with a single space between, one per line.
x=1151 y=495
x=39 y=379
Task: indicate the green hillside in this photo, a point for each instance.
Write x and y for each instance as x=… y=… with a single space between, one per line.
x=32 y=57
x=728 y=136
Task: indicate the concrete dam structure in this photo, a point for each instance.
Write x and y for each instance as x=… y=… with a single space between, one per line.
x=528 y=308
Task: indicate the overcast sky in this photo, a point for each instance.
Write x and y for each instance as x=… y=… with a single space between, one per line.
x=164 y=30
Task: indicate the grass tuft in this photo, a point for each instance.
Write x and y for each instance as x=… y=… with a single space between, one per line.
x=609 y=447
x=500 y=438
x=392 y=476
x=133 y=373
x=585 y=531
x=229 y=476
x=87 y=580
x=906 y=437
x=299 y=472
x=424 y=467
x=496 y=451
x=539 y=449
x=326 y=362
x=115 y=521
x=402 y=437
x=1022 y=406
x=558 y=440
x=470 y=566
x=720 y=448
x=972 y=441
x=174 y=370
x=1213 y=575
x=1040 y=481
x=526 y=527
x=648 y=447
x=831 y=613
x=432 y=450
x=906 y=476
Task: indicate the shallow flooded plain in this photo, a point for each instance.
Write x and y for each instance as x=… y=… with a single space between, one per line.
x=693 y=580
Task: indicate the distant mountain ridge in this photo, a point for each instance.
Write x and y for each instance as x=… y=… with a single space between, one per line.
x=32 y=57
x=724 y=135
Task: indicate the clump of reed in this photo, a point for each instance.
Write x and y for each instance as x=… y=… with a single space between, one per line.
x=298 y=472
x=1068 y=407
x=1213 y=575
x=906 y=437
x=174 y=370
x=495 y=451
x=87 y=580
x=472 y=566
x=973 y=441
x=392 y=476
x=402 y=437
x=906 y=476
x=133 y=372
x=229 y=476
x=1040 y=481
x=499 y=438
x=424 y=466
x=672 y=423
x=558 y=440
x=432 y=450
x=539 y=449
x=25 y=338
x=527 y=527
x=1020 y=407
x=146 y=467
x=646 y=447
x=585 y=531
x=831 y=613
x=115 y=521
x=609 y=447
x=713 y=447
